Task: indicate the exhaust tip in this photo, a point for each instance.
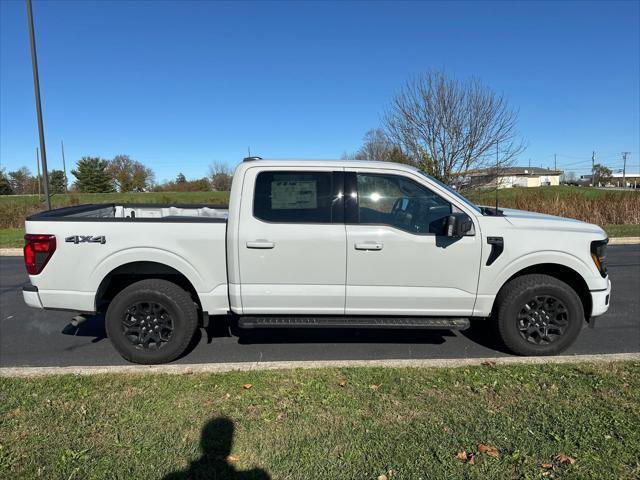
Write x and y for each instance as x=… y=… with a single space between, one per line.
x=78 y=319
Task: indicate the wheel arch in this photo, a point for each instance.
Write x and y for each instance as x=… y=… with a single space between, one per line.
x=561 y=272
x=126 y=274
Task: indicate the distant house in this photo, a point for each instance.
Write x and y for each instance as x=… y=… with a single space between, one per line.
x=511 y=177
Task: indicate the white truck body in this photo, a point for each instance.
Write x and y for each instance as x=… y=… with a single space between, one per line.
x=237 y=262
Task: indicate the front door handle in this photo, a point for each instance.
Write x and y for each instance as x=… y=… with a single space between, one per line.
x=369 y=246
x=261 y=244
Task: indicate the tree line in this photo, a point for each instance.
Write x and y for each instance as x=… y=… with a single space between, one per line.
x=120 y=174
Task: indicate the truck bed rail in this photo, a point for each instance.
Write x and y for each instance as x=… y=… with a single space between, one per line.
x=134 y=212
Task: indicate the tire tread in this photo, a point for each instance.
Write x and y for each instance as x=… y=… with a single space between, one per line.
x=185 y=306
x=507 y=296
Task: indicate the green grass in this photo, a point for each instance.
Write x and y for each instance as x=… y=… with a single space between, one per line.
x=61 y=200
x=11 y=237
x=15 y=208
x=507 y=195
x=348 y=423
x=622 y=230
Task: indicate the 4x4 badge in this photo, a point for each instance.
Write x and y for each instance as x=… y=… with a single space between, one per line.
x=86 y=239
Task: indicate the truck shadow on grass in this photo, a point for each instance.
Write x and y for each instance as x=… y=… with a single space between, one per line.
x=216 y=442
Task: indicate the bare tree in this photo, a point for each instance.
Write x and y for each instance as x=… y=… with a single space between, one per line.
x=570 y=178
x=128 y=175
x=22 y=182
x=449 y=128
x=376 y=145
x=220 y=176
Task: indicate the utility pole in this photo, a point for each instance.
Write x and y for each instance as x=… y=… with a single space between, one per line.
x=38 y=164
x=624 y=169
x=36 y=87
x=497 y=177
x=64 y=167
x=593 y=162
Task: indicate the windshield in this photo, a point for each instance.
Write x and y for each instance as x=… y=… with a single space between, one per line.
x=453 y=192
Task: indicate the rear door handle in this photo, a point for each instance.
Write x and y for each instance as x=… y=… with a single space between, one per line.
x=261 y=244
x=368 y=246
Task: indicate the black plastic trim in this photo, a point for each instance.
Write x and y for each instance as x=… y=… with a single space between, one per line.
x=337 y=207
x=497 y=247
x=351 y=215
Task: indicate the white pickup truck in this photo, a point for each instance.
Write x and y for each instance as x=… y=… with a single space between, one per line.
x=319 y=244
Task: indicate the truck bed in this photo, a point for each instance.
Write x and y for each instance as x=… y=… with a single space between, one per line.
x=135 y=212
x=99 y=240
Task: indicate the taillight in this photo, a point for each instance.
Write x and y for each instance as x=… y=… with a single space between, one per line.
x=38 y=249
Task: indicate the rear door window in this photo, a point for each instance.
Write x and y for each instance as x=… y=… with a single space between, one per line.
x=295 y=197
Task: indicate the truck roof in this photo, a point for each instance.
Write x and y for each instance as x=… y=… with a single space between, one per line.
x=277 y=162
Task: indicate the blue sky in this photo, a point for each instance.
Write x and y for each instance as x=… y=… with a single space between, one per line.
x=178 y=85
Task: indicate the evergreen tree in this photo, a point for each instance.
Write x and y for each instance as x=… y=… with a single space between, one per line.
x=57 y=182
x=91 y=175
x=5 y=185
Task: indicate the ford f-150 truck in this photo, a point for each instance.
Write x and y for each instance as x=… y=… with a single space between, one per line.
x=354 y=244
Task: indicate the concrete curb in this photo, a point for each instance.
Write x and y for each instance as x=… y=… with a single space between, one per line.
x=176 y=369
x=624 y=240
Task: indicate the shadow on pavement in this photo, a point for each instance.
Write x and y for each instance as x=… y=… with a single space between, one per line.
x=226 y=326
x=93 y=326
x=342 y=335
x=482 y=333
x=216 y=442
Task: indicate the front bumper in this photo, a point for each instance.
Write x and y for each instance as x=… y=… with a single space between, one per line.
x=31 y=296
x=600 y=300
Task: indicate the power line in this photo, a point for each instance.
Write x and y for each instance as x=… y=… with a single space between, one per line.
x=64 y=167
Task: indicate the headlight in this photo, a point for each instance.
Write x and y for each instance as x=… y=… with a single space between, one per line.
x=599 y=255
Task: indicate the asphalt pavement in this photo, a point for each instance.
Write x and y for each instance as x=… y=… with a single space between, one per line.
x=31 y=337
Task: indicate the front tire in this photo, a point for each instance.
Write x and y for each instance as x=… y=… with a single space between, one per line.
x=151 y=321
x=538 y=315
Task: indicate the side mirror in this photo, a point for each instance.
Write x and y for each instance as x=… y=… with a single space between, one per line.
x=458 y=225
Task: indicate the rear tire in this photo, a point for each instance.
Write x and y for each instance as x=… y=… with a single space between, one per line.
x=151 y=321
x=538 y=315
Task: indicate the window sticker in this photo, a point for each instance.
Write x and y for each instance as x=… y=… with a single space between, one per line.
x=293 y=194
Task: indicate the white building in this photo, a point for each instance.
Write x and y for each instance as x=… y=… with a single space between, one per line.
x=618 y=179
x=511 y=177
